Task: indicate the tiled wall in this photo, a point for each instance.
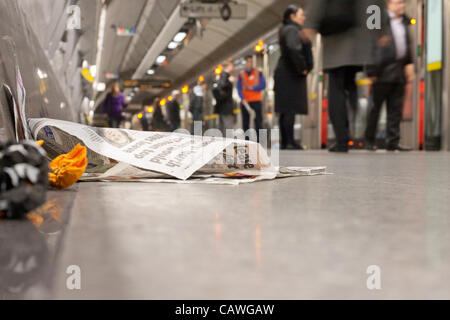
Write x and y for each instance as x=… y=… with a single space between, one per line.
x=33 y=37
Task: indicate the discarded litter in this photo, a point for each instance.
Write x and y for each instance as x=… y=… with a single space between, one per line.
x=23 y=179
x=67 y=169
x=127 y=155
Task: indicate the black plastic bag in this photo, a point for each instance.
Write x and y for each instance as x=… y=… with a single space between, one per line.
x=23 y=179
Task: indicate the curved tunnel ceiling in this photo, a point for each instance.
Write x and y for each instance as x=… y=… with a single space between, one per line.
x=151 y=17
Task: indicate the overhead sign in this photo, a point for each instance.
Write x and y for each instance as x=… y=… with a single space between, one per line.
x=112 y=75
x=124 y=32
x=147 y=84
x=213 y=11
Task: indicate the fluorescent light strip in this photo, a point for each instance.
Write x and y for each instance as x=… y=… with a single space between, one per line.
x=100 y=39
x=179 y=37
x=173 y=45
x=161 y=59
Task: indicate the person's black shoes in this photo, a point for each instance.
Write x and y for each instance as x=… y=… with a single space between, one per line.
x=293 y=146
x=399 y=148
x=338 y=148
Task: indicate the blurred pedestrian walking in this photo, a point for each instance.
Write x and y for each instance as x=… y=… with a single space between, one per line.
x=113 y=105
x=347 y=50
x=392 y=70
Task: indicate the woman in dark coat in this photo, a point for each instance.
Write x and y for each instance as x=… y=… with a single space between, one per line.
x=295 y=63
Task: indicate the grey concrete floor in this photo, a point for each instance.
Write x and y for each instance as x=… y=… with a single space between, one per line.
x=299 y=238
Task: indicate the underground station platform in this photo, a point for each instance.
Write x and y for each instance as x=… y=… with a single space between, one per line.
x=305 y=238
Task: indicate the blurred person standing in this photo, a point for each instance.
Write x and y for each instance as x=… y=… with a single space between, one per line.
x=197 y=103
x=295 y=63
x=173 y=112
x=158 y=123
x=251 y=84
x=347 y=50
x=392 y=70
x=223 y=93
x=113 y=105
x=144 y=121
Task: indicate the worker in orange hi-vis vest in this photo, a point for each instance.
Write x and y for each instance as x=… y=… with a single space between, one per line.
x=251 y=84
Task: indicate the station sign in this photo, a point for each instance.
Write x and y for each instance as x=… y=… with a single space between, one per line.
x=112 y=75
x=147 y=84
x=212 y=10
x=124 y=32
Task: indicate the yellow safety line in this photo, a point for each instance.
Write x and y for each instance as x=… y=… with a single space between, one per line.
x=434 y=66
x=211 y=117
x=363 y=82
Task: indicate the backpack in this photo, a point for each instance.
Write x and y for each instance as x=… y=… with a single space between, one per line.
x=339 y=16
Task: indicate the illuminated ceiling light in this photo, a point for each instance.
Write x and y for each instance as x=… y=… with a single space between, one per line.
x=179 y=37
x=161 y=59
x=140 y=115
x=413 y=21
x=41 y=74
x=185 y=89
x=150 y=72
x=91 y=104
x=163 y=102
x=136 y=89
x=218 y=70
x=150 y=109
x=170 y=98
x=201 y=78
x=260 y=46
x=173 y=45
x=101 y=86
x=100 y=37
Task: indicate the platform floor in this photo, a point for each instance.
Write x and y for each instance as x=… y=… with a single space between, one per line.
x=299 y=238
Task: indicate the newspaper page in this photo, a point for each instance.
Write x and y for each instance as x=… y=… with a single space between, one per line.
x=176 y=155
x=123 y=172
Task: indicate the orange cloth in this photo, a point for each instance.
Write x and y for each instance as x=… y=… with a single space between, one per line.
x=68 y=168
x=251 y=80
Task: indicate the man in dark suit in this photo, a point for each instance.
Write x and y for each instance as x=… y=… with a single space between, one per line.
x=393 y=68
x=347 y=50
